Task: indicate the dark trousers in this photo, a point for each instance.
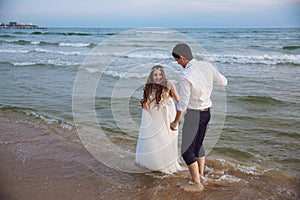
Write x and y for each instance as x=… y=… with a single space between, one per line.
x=193 y=133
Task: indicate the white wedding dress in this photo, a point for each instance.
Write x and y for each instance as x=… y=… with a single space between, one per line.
x=157 y=144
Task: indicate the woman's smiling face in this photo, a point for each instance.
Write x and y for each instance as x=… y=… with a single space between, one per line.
x=157 y=76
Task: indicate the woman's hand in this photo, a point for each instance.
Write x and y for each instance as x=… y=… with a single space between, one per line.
x=147 y=106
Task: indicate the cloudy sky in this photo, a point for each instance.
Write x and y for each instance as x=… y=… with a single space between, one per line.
x=153 y=13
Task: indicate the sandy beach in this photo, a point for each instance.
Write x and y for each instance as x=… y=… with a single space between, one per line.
x=42 y=161
x=46 y=161
x=39 y=162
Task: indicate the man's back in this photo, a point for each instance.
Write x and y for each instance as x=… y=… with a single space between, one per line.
x=201 y=75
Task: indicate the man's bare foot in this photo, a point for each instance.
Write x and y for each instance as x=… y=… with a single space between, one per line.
x=203 y=180
x=193 y=187
x=183 y=183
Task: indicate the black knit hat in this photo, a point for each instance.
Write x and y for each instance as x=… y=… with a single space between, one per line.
x=184 y=50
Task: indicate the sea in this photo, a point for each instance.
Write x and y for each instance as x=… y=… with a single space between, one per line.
x=91 y=79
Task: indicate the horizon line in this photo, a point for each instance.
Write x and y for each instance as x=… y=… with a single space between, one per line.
x=212 y=27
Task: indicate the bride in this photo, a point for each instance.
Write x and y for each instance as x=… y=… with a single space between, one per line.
x=157 y=144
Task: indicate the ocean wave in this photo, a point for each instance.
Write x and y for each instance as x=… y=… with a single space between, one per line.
x=229 y=170
x=142 y=54
x=7 y=36
x=76 y=44
x=20 y=32
x=134 y=55
x=40 y=50
x=234 y=152
x=44 y=43
x=19 y=42
x=73 y=33
x=291 y=47
x=261 y=100
x=125 y=75
x=51 y=120
x=16 y=42
x=61 y=33
x=238 y=168
x=24 y=63
x=155 y=31
x=115 y=73
x=253 y=59
x=149 y=54
x=18 y=51
x=232 y=59
x=93 y=70
x=47 y=63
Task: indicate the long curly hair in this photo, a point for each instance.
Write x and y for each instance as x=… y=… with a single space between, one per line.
x=162 y=89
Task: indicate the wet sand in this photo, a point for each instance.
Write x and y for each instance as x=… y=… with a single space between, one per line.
x=46 y=161
x=40 y=161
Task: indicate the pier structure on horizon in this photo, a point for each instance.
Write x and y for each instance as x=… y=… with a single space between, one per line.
x=18 y=25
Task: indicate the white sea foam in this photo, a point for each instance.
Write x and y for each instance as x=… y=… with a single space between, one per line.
x=251 y=170
x=14 y=51
x=155 y=31
x=62 y=63
x=67 y=126
x=46 y=119
x=40 y=50
x=92 y=70
x=150 y=54
x=35 y=42
x=23 y=63
x=74 y=44
x=51 y=120
x=266 y=59
x=125 y=75
x=229 y=178
x=116 y=74
x=47 y=62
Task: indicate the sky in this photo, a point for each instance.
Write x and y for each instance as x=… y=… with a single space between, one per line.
x=153 y=13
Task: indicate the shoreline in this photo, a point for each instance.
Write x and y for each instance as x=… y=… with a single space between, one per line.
x=46 y=161
x=60 y=168
x=57 y=166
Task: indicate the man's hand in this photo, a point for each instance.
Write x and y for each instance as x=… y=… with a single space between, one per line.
x=174 y=126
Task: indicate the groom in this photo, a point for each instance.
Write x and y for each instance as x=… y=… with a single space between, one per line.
x=196 y=83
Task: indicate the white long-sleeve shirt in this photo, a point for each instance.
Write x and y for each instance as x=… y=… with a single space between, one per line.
x=196 y=83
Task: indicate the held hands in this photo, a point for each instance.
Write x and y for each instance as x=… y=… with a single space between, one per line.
x=174 y=126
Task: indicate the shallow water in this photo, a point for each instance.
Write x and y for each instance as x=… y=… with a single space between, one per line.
x=49 y=161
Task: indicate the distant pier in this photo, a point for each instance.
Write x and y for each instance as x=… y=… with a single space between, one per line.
x=17 y=25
